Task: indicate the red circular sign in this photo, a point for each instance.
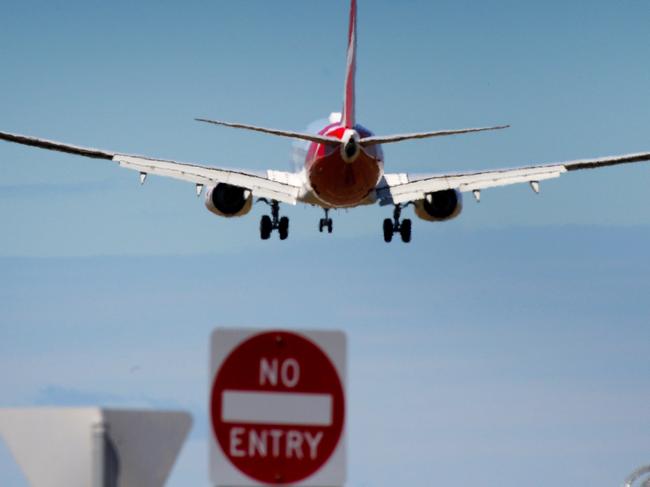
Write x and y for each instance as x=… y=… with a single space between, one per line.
x=277 y=407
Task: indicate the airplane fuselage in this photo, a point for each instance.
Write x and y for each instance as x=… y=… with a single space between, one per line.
x=339 y=179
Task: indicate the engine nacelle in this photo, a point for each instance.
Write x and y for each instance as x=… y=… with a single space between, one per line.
x=440 y=206
x=228 y=201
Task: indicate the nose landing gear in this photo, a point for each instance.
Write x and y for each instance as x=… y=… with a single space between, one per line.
x=325 y=222
x=273 y=222
x=394 y=226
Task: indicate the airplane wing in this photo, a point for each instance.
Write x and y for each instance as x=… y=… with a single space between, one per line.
x=402 y=188
x=275 y=185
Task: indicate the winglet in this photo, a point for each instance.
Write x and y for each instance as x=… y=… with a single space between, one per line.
x=348 y=119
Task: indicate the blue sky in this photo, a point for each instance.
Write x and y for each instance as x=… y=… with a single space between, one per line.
x=509 y=345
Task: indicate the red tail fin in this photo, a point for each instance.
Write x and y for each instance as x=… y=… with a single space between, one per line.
x=348 y=119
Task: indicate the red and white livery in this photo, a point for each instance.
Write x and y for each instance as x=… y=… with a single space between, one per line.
x=343 y=167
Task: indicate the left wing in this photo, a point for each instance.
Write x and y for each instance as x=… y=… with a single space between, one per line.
x=402 y=188
x=275 y=185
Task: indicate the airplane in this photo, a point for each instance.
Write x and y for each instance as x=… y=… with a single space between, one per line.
x=342 y=167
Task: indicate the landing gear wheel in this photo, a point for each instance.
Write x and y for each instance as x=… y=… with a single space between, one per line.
x=396 y=226
x=283 y=228
x=326 y=222
x=266 y=227
x=270 y=223
x=388 y=230
x=405 y=231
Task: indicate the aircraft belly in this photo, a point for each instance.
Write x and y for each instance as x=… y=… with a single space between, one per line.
x=340 y=184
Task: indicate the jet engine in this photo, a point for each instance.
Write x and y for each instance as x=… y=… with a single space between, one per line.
x=228 y=201
x=440 y=205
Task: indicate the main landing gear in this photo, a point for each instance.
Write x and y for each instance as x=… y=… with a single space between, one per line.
x=395 y=226
x=325 y=222
x=273 y=222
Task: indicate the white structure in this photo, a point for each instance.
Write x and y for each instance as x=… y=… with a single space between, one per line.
x=94 y=447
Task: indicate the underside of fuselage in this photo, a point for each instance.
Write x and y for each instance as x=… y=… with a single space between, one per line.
x=338 y=181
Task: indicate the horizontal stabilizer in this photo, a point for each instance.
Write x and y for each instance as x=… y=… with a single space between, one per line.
x=387 y=139
x=319 y=139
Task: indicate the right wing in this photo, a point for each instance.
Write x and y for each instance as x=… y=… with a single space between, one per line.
x=275 y=185
x=402 y=188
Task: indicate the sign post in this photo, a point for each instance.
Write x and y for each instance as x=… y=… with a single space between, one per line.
x=277 y=407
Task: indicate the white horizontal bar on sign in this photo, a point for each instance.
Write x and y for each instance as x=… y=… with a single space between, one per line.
x=281 y=408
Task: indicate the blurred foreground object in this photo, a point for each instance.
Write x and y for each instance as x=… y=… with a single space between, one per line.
x=638 y=474
x=81 y=447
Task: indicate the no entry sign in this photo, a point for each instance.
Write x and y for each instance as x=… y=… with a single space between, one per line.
x=277 y=407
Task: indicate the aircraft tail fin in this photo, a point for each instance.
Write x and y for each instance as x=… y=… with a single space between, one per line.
x=348 y=119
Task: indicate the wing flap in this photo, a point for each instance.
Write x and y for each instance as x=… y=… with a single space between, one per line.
x=416 y=189
x=493 y=182
x=283 y=187
x=396 y=190
x=261 y=186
